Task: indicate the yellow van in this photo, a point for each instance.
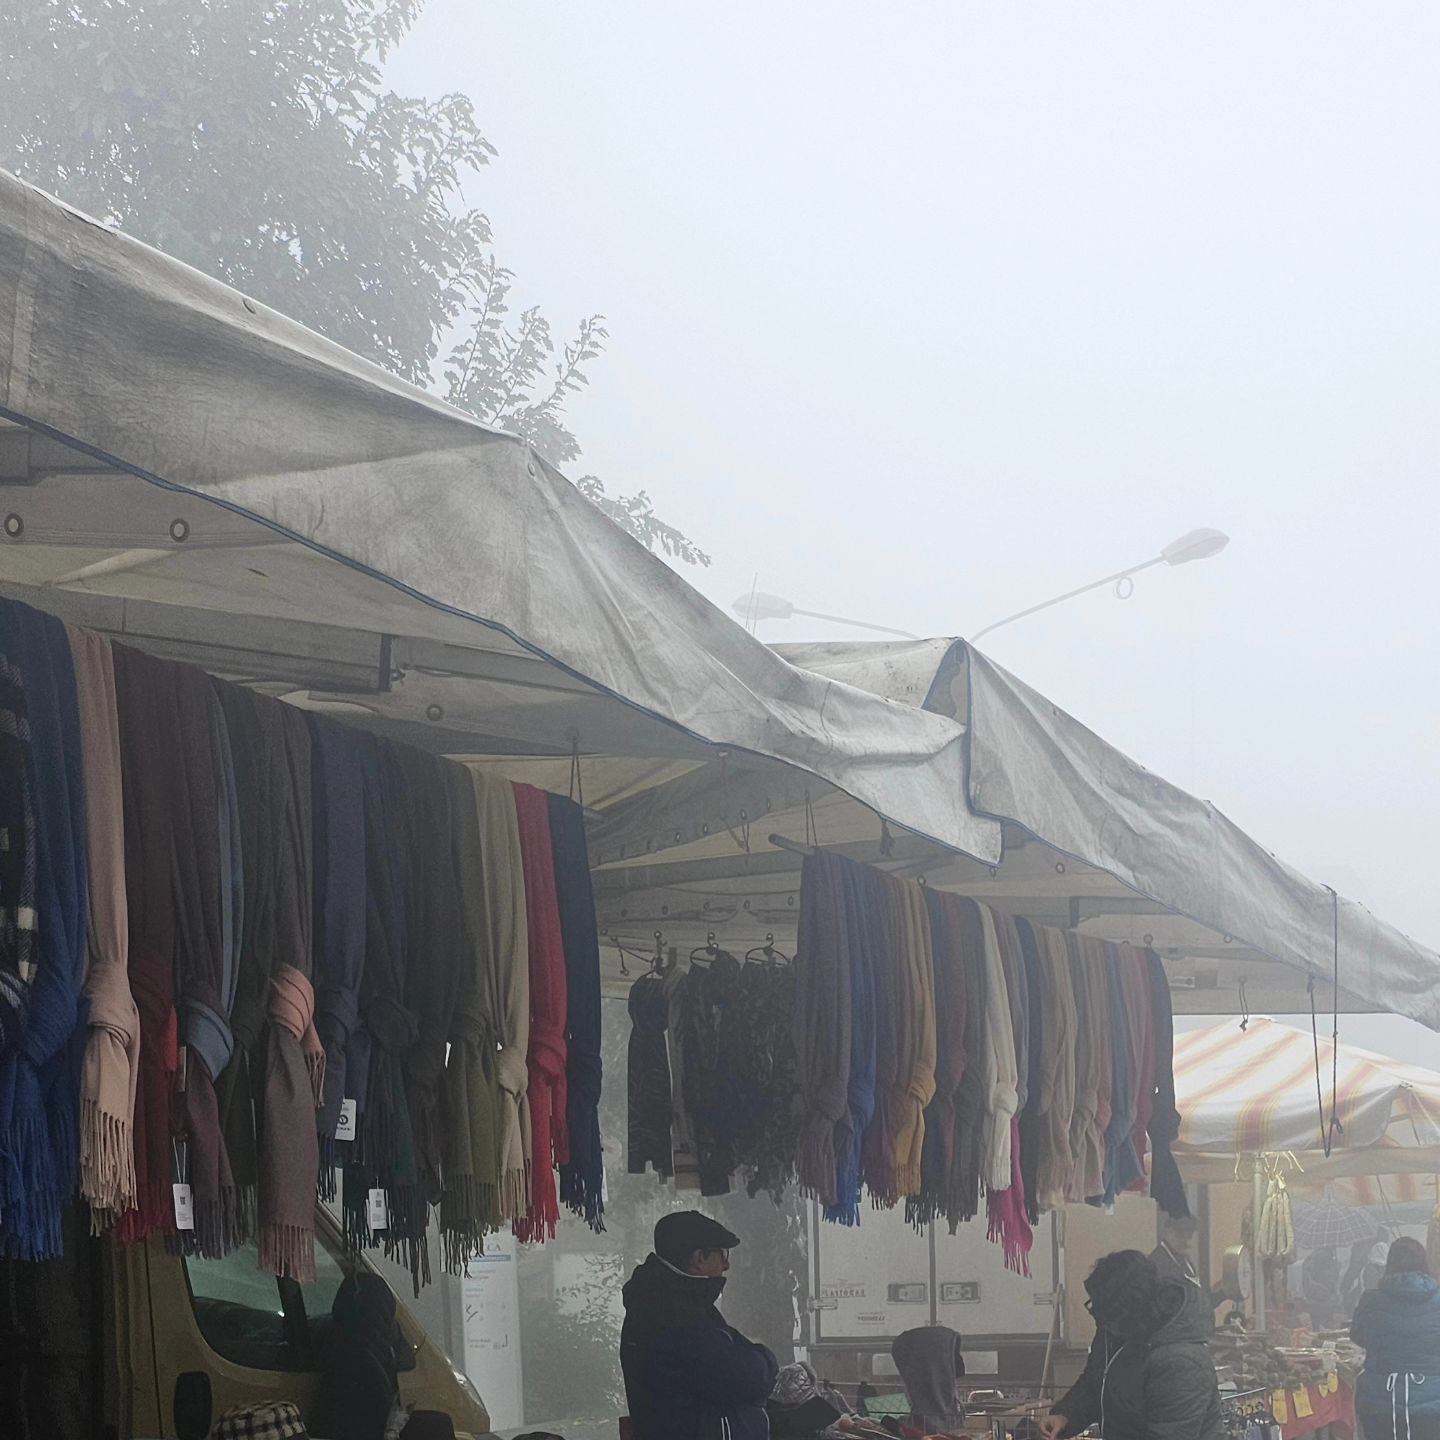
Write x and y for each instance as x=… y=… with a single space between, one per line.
x=132 y=1342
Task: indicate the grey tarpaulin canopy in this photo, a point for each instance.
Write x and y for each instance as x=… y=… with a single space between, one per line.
x=190 y=470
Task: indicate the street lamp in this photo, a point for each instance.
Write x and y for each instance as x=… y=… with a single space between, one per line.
x=759 y=606
x=1194 y=545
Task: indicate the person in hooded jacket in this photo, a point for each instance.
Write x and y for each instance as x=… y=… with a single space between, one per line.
x=689 y=1375
x=930 y=1365
x=1149 y=1375
x=1398 y=1326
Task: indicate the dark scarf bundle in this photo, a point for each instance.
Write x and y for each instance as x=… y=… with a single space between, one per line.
x=205 y=969
x=384 y=1155
x=1165 y=1183
x=951 y=1007
x=40 y=1079
x=432 y=982
x=147 y=747
x=17 y=826
x=582 y=1177
x=546 y=1057
x=962 y=1199
x=766 y=1149
x=649 y=1109
x=1031 y=1131
x=864 y=919
x=711 y=1017
x=294 y=1059
x=338 y=778
x=470 y=1204
x=822 y=1021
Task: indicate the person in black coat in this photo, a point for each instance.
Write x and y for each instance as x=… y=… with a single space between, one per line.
x=361 y=1381
x=1149 y=1375
x=689 y=1375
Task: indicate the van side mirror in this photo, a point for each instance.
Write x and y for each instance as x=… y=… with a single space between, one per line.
x=194 y=1405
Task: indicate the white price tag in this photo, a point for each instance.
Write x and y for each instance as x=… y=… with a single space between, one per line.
x=377 y=1211
x=345 y=1125
x=184 y=1207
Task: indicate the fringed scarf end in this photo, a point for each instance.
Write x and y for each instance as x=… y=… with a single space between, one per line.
x=107 y=1160
x=288 y=1251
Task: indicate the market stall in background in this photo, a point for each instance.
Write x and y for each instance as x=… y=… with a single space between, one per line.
x=193 y=478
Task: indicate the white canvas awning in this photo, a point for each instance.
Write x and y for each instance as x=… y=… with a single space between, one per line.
x=1242 y=1093
x=187 y=469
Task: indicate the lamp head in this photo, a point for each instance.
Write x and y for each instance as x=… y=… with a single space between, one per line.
x=760 y=606
x=1196 y=545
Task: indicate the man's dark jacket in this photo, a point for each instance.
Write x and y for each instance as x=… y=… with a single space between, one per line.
x=689 y=1375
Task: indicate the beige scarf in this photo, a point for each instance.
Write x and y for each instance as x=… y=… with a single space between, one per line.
x=112 y=1047
x=508 y=945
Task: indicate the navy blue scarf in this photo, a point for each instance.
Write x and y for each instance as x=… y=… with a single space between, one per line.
x=40 y=1082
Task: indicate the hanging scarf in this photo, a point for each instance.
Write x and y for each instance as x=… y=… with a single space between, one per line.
x=546 y=1058
x=1087 y=1173
x=1166 y=1186
x=432 y=984
x=938 y=1157
x=822 y=1021
x=338 y=777
x=649 y=1099
x=1057 y=1069
x=1097 y=1000
x=40 y=1081
x=1008 y=1209
x=915 y=1081
x=1032 y=1128
x=767 y=1150
x=289 y=1148
x=582 y=1177
x=1135 y=976
x=384 y=1157
x=147 y=747
x=470 y=1204
x=205 y=970
x=997 y=1060
x=962 y=1200
x=112 y=1049
x=877 y=1146
x=18 y=859
x=294 y=1059
x=1122 y=1165
x=505 y=909
x=258 y=775
x=863 y=917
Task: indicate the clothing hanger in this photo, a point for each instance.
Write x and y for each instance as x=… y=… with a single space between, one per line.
x=704 y=954
x=767 y=952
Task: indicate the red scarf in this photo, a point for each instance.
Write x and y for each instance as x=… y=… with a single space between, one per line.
x=547 y=1054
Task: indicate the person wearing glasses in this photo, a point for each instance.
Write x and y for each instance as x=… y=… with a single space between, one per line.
x=689 y=1375
x=1149 y=1375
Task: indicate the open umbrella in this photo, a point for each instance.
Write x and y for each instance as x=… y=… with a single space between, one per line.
x=1327 y=1223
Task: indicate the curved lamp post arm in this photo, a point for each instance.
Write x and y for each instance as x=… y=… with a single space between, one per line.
x=1068 y=595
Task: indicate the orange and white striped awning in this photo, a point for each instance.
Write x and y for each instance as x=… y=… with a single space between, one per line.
x=1253 y=1091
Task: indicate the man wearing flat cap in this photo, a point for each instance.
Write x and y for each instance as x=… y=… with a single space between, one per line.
x=689 y=1375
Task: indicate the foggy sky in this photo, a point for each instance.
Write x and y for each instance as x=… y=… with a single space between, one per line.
x=922 y=313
